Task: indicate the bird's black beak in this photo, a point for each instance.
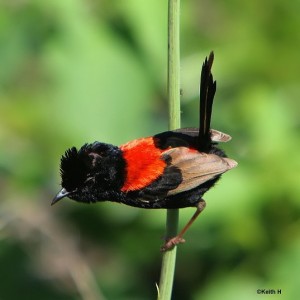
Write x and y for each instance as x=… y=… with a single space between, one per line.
x=62 y=194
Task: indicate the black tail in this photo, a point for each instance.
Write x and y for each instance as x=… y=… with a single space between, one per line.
x=207 y=93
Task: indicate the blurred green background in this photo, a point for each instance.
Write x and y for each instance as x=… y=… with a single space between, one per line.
x=78 y=71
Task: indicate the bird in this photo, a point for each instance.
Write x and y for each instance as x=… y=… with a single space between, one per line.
x=169 y=170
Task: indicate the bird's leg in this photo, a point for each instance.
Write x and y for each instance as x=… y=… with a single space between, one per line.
x=170 y=243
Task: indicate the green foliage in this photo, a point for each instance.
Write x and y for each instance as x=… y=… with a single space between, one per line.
x=78 y=71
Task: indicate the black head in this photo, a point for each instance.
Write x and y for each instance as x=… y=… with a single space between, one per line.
x=91 y=173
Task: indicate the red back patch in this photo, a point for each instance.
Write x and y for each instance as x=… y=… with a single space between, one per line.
x=143 y=163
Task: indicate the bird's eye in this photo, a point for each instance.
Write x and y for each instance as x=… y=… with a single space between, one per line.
x=93 y=158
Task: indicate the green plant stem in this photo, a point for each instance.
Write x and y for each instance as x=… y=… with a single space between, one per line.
x=169 y=257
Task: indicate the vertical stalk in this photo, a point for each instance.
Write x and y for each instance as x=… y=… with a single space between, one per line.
x=169 y=257
x=174 y=64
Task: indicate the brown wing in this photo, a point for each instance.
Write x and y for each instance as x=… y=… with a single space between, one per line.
x=196 y=168
x=186 y=137
x=216 y=136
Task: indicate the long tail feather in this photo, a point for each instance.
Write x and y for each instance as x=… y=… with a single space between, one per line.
x=207 y=93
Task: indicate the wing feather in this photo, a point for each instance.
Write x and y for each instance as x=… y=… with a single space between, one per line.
x=216 y=135
x=196 y=168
